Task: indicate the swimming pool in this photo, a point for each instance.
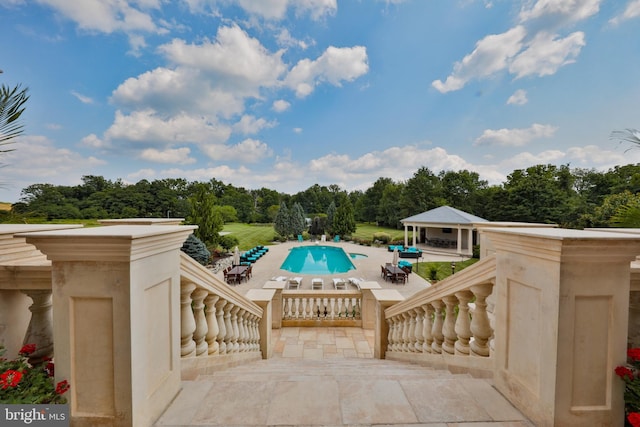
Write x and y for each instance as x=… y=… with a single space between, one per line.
x=317 y=259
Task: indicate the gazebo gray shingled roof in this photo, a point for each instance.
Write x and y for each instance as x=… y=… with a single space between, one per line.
x=444 y=215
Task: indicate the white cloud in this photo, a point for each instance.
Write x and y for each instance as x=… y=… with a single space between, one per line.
x=36 y=159
x=631 y=11
x=491 y=55
x=545 y=54
x=280 y=105
x=297 y=130
x=285 y=39
x=148 y=128
x=334 y=66
x=515 y=137
x=82 y=98
x=250 y=125
x=272 y=9
x=177 y=155
x=110 y=16
x=247 y=151
x=567 y=11
x=519 y=97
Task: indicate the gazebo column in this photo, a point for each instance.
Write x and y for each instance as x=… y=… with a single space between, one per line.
x=470 y=242
x=459 y=241
x=406 y=234
x=414 y=235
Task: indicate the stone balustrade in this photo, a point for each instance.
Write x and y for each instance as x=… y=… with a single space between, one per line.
x=440 y=323
x=328 y=307
x=216 y=321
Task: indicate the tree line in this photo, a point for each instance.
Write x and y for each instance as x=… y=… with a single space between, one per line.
x=572 y=198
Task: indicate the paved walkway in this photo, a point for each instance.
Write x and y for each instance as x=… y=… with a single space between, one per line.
x=328 y=377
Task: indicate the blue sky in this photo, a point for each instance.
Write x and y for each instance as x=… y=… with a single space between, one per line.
x=285 y=94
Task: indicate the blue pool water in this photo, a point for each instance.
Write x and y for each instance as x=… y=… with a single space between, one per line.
x=316 y=259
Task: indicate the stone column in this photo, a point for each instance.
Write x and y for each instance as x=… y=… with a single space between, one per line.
x=561 y=322
x=384 y=298
x=264 y=298
x=368 y=312
x=277 y=303
x=116 y=317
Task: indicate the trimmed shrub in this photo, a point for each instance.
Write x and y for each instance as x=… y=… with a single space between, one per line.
x=382 y=237
x=228 y=242
x=196 y=249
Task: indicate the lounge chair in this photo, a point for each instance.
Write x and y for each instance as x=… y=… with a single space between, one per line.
x=300 y=239
x=294 y=283
x=336 y=239
x=356 y=281
x=339 y=283
x=279 y=278
x=317 y=283
x=323 y=238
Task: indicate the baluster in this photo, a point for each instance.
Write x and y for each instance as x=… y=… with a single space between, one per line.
x=236 y=330
x=354 y=301
x=40 y=329
x=247 y=331
x=222 y=327
x=228 y=338
x=480 y=327
x=390 y=334
x=418 y=331
x=201 y=320
x=397 y=334
x=347 y=307
x=339 y=307
x=359 y=308
x=325 y=302
x=187 y=321
x=491 y=306
x=332 y=303
x=255 y=333
x=241 y=344
x=449 y=327
x=427 y=328
x=212 y=323
x=318 y=307
x=411 y=332
x=290 y=305
x=303 y=308
x=463 y=323
x=296 y=311
x=436 y=331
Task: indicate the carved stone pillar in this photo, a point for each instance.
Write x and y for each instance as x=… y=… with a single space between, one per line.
x=40 y=329
x=212 y=324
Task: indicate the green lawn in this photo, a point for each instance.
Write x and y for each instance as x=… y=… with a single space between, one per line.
x=365 y=231
x=250 y=235
x=442 y=269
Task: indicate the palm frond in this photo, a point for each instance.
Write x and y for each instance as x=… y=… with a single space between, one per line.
x=628 y=135
x=11 y=108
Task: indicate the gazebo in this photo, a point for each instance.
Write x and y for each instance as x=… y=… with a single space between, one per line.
x=436 y=228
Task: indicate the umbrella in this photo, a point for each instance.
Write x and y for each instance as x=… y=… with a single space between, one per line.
x=395 y=256
x=236 y=256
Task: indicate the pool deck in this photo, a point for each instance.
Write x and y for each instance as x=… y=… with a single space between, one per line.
x=367 y=268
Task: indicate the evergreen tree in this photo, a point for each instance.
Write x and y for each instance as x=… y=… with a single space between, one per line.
x=331 y=213
x=196 y=249
x=203 y=214
x=296 y=217
x=282 y=223
x=344 y=222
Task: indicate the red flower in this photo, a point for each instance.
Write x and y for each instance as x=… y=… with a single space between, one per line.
x=27 y=349
x=623 y=372
x=62 y=387
x=634 y=419
x=10 y=378
x=634 y=353
x=49 y=368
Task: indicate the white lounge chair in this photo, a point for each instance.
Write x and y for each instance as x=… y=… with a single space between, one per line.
x=323 y=238
x=279 y=278
x=317 y=283
x=355 y=281
x=294 y=283
x=339 y=283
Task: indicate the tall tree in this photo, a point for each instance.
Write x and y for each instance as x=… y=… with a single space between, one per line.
x=282 y=223
x=331 y=213
x=203 y=214
x=297 y=219
x=344 y=222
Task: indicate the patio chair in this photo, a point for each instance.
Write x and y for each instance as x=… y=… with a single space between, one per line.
x=294 y=283
x=339 y=283
x=355 y=281
x=317 y=283
x=336 y=239
x=323 y=238
x=300 y=239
